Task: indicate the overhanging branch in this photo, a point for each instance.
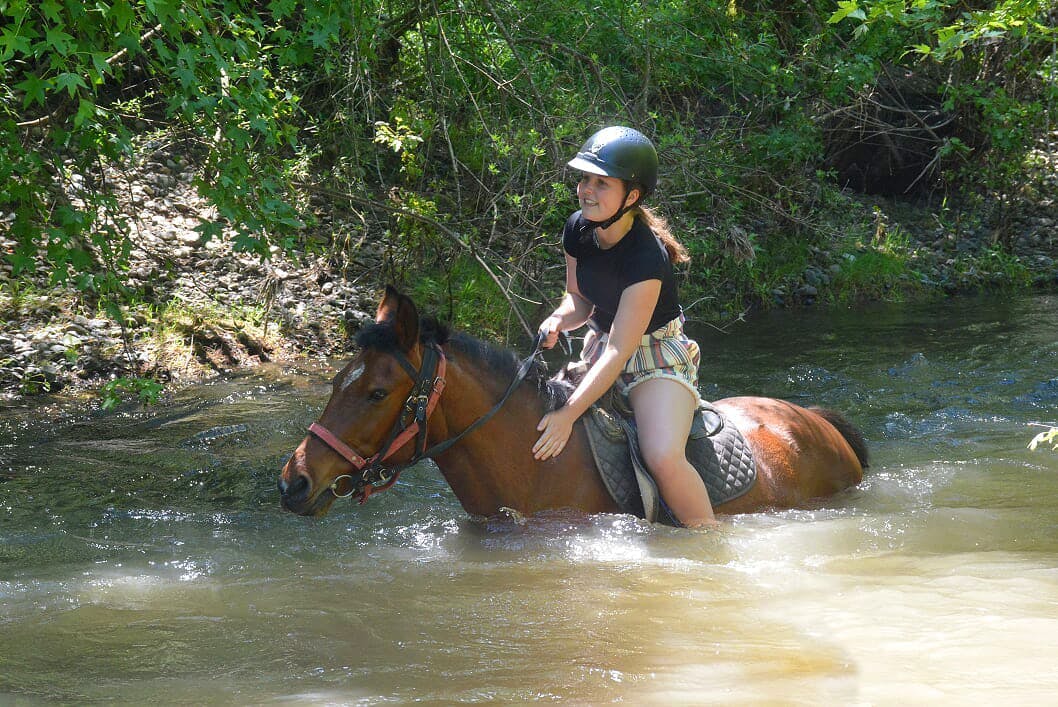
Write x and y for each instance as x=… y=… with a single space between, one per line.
x=116 y=58
x=441 y=228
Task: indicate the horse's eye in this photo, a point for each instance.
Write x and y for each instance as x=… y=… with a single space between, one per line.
x=377 y=395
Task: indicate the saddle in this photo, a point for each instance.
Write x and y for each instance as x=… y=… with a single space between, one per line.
x=716 y=449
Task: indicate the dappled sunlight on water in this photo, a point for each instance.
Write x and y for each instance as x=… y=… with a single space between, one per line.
x=145 y=557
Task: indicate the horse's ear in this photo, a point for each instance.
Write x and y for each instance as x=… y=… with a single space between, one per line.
x=401 y=311
x=387 y=308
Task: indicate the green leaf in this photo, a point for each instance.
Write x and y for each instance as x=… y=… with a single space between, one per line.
x=260 y=125
x=34 y=87
x=240 y=137
x=73 y=219
x=22 y=260
x=327 y=31
x=58 y=40
x=847 y=8
x=246 y=242
x=82 y=260
x=122 y=14
x=281 y=9
x=186 y=60
x=185 y=75
x=162 y=10
x=86 y=109
x=210 y=230
x=99 y=61
x=71 y=82
x=52 y=10
x=12 y=42
x=113 y=392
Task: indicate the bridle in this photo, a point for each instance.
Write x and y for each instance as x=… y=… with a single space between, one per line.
x=370 y=475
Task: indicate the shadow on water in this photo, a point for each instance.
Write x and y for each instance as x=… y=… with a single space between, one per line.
x=144 y=552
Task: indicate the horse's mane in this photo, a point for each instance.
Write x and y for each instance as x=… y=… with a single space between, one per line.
x=504 y=363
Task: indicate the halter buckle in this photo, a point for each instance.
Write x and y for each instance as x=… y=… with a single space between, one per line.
x=337 y=480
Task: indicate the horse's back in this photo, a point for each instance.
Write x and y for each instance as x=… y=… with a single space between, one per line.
x=800 y=453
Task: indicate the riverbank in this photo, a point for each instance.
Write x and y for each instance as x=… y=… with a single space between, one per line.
x=202 y=308
x=198 y=307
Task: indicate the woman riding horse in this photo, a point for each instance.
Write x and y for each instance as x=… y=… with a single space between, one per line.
x=620 y=281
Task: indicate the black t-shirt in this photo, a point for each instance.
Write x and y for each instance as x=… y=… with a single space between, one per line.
x=603 y=275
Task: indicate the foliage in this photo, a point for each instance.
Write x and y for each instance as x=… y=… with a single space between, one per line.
x=79 y=81
x=145 y=390
x=999 y=64
x=465 y=112
x=994 y=268
x=466 y=297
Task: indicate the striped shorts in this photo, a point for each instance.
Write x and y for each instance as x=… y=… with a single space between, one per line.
x=665 y=352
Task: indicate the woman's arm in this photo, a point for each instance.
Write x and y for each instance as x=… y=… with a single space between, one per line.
x=629 y=325
x=571 y=313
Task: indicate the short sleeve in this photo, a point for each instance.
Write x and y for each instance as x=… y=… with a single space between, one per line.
x=572 y=232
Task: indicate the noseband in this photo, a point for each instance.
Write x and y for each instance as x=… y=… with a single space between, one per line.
x=374 y=476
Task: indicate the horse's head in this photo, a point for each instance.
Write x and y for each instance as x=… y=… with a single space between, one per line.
x=371 y=402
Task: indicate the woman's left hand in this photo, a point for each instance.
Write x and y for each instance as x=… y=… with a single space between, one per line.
x=556 y=426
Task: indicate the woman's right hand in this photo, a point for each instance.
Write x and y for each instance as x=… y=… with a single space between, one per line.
x=549 y=330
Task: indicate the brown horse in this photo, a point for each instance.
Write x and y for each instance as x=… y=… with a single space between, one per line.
x=387 y=411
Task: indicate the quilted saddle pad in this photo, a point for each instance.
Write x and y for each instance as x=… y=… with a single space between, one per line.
x=716 y=449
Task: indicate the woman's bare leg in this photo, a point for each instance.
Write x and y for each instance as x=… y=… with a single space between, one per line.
x=663 y=410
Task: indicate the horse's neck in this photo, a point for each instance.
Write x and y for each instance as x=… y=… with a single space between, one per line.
x=493 y=467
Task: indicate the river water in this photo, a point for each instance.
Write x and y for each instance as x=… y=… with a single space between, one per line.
x=144 y=555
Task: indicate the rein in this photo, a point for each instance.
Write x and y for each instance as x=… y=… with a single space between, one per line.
x=374 y=476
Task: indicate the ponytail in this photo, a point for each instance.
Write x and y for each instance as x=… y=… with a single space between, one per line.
x=660 y=226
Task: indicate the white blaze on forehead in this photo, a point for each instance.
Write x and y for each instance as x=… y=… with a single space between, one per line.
x=352 y=376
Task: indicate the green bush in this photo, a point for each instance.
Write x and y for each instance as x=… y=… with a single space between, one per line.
x=465 y=112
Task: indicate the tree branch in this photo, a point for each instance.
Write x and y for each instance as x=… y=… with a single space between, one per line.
x=445 y=230
x=116 y=58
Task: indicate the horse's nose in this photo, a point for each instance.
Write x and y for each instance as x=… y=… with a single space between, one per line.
x=296 y=490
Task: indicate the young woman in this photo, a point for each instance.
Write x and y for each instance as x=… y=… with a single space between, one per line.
x=620 y=281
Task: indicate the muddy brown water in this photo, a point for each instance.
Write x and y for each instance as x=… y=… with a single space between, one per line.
x=144 y=556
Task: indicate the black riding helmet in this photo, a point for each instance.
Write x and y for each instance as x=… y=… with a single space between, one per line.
x=623 y=153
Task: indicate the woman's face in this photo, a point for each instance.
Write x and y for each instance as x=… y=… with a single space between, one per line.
x=600 y=197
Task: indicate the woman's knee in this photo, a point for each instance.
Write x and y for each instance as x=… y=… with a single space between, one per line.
x=663 y=461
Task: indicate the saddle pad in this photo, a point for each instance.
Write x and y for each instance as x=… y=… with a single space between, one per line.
x=717 y=450
x=609 y=446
